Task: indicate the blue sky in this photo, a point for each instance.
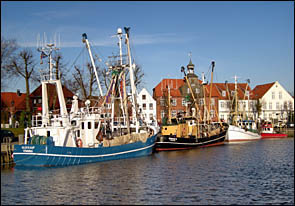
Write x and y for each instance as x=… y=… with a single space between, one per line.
x=253 y=40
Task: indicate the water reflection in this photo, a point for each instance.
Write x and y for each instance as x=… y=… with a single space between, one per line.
x=259 y=172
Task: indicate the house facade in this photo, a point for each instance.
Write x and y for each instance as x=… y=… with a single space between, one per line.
x=12 y=105
x=277 y=103
x=147 y=106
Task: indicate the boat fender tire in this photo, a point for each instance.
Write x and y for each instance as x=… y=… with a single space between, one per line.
x=79 y=143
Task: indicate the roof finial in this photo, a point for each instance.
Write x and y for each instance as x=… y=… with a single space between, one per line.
x=190 y=56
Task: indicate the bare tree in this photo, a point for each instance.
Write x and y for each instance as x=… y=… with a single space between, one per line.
x=8 y=49
x=84 y=81
x=23 y=66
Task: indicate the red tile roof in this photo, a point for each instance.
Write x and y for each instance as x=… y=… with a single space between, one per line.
x=174 y=85
x=19 y=101
x=217 y=89
x=260 y=90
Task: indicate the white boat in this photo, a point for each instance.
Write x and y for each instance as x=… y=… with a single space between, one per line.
x=241 y=130
x=238 y=134
x=86 y=135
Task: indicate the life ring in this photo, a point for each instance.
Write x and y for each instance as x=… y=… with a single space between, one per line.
x=151 y=132
x=79 y=143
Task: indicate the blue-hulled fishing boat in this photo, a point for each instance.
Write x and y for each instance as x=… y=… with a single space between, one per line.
x=112 y=130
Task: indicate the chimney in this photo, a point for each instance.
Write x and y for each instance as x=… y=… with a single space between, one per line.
x=18 y=93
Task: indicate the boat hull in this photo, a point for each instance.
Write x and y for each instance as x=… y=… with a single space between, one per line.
x=272 y=135
x=237 y=134
x=48 y=155
x=166 y=143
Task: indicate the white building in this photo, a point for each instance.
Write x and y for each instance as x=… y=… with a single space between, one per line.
x=277 y=103
x=148 y=106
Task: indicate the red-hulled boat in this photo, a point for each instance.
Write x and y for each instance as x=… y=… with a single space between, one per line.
x=268 y=132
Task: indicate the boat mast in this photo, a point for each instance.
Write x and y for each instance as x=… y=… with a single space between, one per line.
x=124 y=97
x=169 y=106
x=206 y=112
x=85 y=40
x=44 y=82
x=236 y=101
x=132 y=84
x=194 y=99
x=213 y=64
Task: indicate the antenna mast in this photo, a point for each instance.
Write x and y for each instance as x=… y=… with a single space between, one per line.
x=85 y=40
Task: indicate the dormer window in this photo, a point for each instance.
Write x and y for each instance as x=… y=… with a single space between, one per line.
x=223 y=93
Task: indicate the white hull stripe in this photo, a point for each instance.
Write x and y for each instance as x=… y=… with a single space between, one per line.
x=84 y=156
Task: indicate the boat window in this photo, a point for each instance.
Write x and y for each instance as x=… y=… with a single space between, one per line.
x=78 y=133
x=73 y=123
x=89 y=125
x=48 y=133
x=82 y=125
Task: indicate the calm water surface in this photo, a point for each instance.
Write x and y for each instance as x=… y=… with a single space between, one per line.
x=260 y=172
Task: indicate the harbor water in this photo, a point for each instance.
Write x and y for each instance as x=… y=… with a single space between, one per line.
x=259 y=172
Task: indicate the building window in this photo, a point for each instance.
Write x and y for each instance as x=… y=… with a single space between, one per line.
x=197 y=90
x=223 y=93
x=144 y=106
x=290 y=105
x=212 y=113
x=173 y=102
x=212 y=102
x=35 y=101
x=232 y=93
x=270 y=105
x=143 y=96
x=278 y=106
x=162 y=113
x=151 y=116
x=188 y=90
x=173 y=114
x=40 y=100
x=183 y=102
x=221 y=104
x=151 y=106
x=201 y=101
x=89 y=125
x=228 y=104
x=280 y=95
x=273 y=95
x=222 y=116
x=247 y=93
x=162 y=101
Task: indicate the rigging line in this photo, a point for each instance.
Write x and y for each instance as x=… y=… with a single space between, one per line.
x=77 y=57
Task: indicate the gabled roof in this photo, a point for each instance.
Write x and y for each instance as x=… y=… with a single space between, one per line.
x=174 y=84
x=19 y=101
x=51 y=90
x=260 y=90
x=217 y=89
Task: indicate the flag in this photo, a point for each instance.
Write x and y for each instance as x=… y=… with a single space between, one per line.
x=43 y=55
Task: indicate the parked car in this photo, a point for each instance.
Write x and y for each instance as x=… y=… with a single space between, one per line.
x=9 y=134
